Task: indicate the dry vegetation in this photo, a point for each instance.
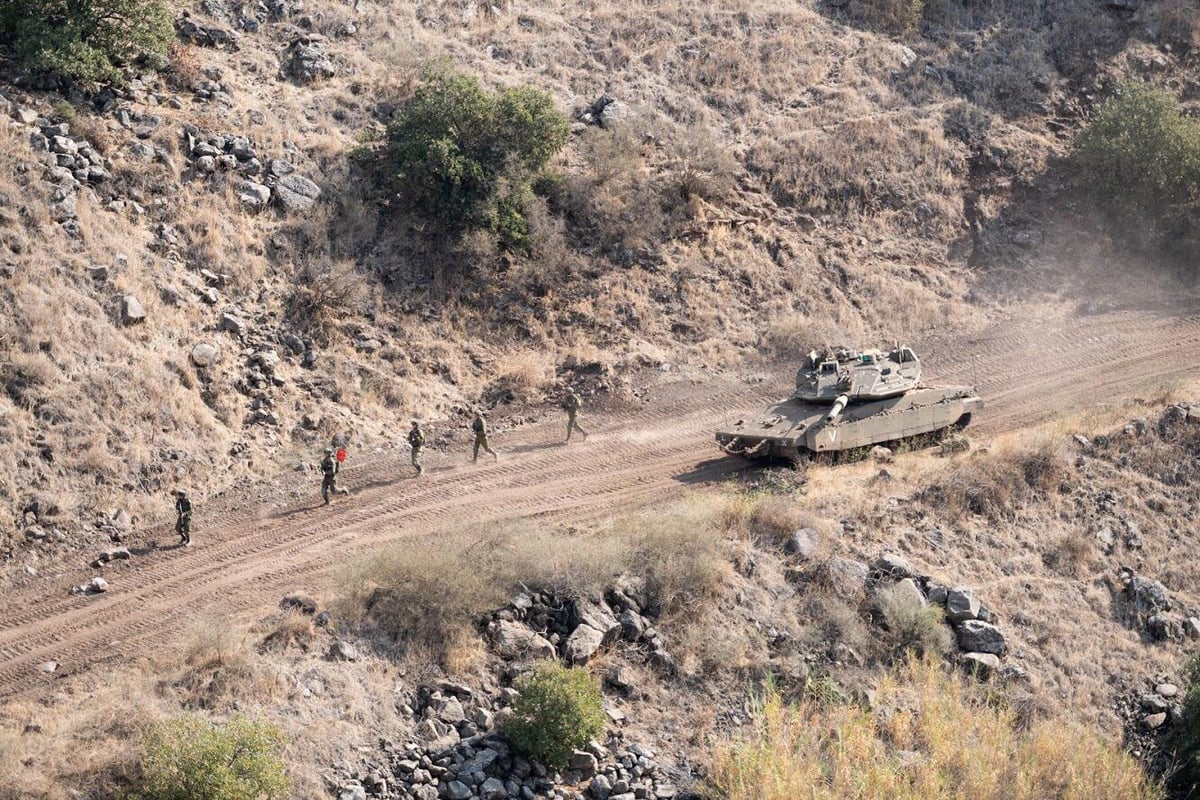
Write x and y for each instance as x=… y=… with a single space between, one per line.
x=927 y=734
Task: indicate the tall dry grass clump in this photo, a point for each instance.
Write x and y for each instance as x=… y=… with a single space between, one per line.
x=425 y=599
x=932 y=735
x=996 y=486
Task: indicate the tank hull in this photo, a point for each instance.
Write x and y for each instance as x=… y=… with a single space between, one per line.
x=795 y=429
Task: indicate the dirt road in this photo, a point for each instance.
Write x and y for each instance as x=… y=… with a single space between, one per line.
x=1027 y=370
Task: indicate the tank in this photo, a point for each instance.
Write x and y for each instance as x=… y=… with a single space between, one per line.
x=850 y=399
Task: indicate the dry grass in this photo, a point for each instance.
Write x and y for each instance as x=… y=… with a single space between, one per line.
x=422 y=601
x=930 y=735
x=997 y=486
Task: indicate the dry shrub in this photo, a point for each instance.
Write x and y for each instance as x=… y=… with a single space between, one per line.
x=774 y=518
x=912 y=626
x=424 y=600
x=1005 y=73
x=521 y=376
x=221 y=667
x=996 y=486
x=841 y=751
x=893 y=16
x=1174 y=22
x=26 y=377
x=323 y=294
x=293 y=628
x=184 y=62
x=1071 y=555
x=832 y=623
x=793 y=336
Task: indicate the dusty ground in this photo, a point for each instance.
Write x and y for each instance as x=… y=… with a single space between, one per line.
x=252 y=547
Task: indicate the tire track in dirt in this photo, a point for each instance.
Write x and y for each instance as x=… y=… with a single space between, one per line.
x=247 y=557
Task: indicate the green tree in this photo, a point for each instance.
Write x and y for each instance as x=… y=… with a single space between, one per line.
x=86 y=40
x=1141 y=152
x=559 y=710
x=464 y=156
x=190 y=758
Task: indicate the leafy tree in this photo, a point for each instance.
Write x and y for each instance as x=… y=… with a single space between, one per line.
x=559 y=710
x=86 y=40
x=190 y=758
x=464 y=156
x=1140 y=151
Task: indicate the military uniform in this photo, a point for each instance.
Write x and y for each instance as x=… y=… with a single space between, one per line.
x=183 y=518
x=329 y=471
x=481 y=439
x=416 y=440
x=572 y=404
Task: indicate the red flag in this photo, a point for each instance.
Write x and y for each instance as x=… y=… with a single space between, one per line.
x=341 y=454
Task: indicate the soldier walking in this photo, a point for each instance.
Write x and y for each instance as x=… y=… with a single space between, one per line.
x=183 y=517
x=329 y=471
x=481 y=439
x=571 y=404
x=416 y=440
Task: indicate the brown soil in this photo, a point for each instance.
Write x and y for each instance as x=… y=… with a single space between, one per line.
x=253 y=546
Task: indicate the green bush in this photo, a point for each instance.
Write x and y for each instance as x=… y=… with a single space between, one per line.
x=190 y=758
x=464 y=156
x=1187 y=742
x=1141 y=153
x=85 y=40
x=559 y=710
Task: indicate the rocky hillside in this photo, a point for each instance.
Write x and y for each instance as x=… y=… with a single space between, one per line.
x=201 y=288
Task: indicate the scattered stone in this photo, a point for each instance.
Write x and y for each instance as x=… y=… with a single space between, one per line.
x=582 y=644
x=891 y=566
x=231 y=323
x=299 y=602
x=1152 y=722
x=982 y=665
x=254 y=196
x=296 y=194
x=205 y=355
x=1167 y=689
x=980 y=637
x=907 y=588
x=305 y=60
x=1082 y=441
x=132 y=311
x=803 y=544
x=961 y=605
x=882 y=454
x=343 y=651
x=515 y=641
x=48 y=667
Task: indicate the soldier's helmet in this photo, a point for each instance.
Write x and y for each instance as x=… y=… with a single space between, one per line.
x=181 y=492
x=415 y=423
x=328 y=451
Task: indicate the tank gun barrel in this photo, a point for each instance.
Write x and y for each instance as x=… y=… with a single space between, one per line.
x=839 y=406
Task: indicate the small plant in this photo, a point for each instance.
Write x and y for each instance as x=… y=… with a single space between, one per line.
x=85 y=40
x=1187 y=741
x=911 y=625
x=191 y=758
x=559 y=710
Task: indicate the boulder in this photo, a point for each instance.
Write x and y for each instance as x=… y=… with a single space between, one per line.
x=1152 y=722
x=299 y=602
x=493 y=789
x=802 y=544
x=847 y=576
x=582 y=644
x=596 y=614
x=205 y=355
x=961 y=605
x=132 y=311
x=296 y=193
x=981 y=665
x=305 y=60
x=1146 y=596
x=231 y=323
x=343 y=651
x=891 y=567
x=980 y=637
x=882 y=454
x=513 y=640
x=908 y=589
x=96 y=586
x=254 y=196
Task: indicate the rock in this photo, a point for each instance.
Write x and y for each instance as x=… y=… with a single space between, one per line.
x=633 y=625
x=296 y=193
x=299 y=602
x=600 y=788
x=343 y=651
x=937 y=593
x=908 y=589
x=131 y=310
x=1164 y=627
x=352 y=791
x=961 y=605
x=1147 y=597
x=457 y=790
x=25 y=116
x=305 y=61
x=802 y=544
x=882 y=454
x=513 y=640
x=582 y=644
x=1166 y=689
x=981 y=665
x=48 y=667
x=493 y=789
x=596 y=614
x=96 y=585
x=980 y=637
x=1082 y=441
x=277 y=168
x=1153 y=722
x=115 y=554
x=1153 y=703
x=205 y=355
x=254 y=196
x=584 y=763
x=232 y=324
x=847 y=576
x=891 y=567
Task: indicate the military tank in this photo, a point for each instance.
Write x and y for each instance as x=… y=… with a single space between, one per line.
x=849 y=399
